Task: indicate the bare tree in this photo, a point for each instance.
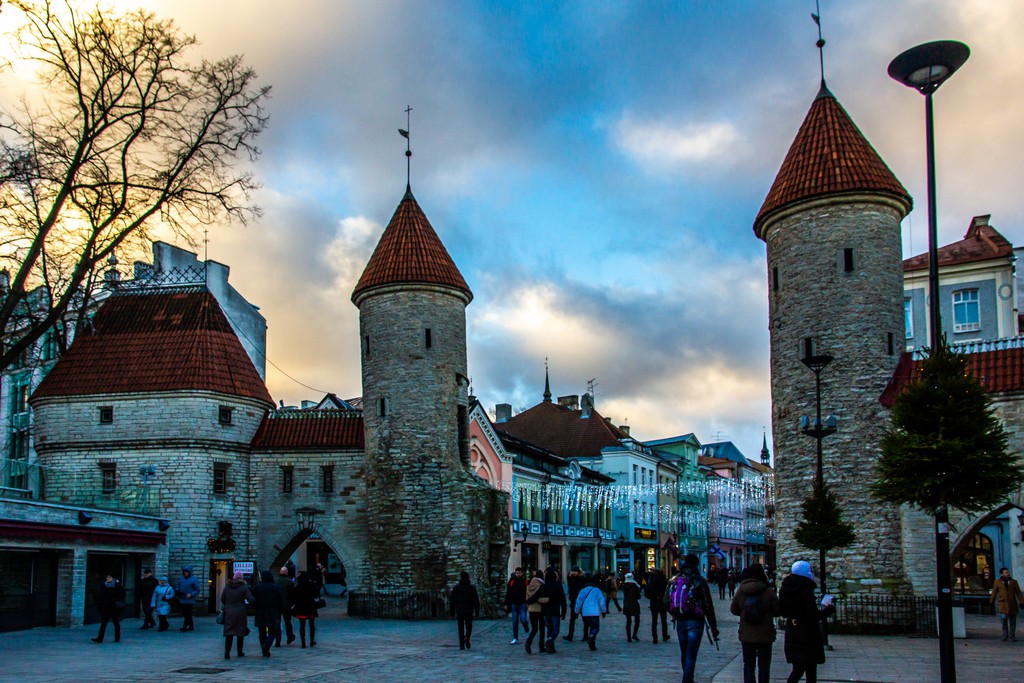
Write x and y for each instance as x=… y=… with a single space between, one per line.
x=124 y=133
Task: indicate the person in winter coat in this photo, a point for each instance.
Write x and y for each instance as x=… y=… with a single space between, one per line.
x=187 y=592
x=269 y=605
x=575 y=581
x=554 y=609
x=464 y=605
x=722 y=579
x=233 y=600
x=110 y=600
x=693 y=615
x=161 y=602
x=631 y=607
x=733 y=580
x=535 y=599
x=287 y=589
x=1007 y=598
x=304 y=606
x=611 y=591
x=147 y=584
x=654 y=591
x=591 y=605
x=515 y=603
x=804 y=647
x=756 y=604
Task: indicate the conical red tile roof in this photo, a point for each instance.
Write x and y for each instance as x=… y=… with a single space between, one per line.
x=829 y=156
x=410 y=251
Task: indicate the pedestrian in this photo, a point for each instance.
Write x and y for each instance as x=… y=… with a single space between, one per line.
x=342 y=579
x=269 y=603
x=575 y=582
x=535 y=599
x=147 y=584
x=320 y=574
x=290 y=566
x=611 y=591
x=554 y=609
x=805 y=649
x=110 y=600
x=187 y=592
x=690 y=604
x=733 y=581
x=631 y=607
x=722 y=579
x=464 y=604
x=1007 y=598
x=591 y=606
x=287 y=587
x=756 y=604
x=233 y=600
x=306 y=603
x=654 y=591
x=515 y=603
x=161 y=602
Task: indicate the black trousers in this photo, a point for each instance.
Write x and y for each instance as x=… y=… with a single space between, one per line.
x=808 y=671
x=186 y=611
x=465 y=626
x=288 y=631
x=268 y=634
x=147 y=613
x=312 y=630
x=759 y=656
x=632 y=626
x=114 y=617
x=227 y=645
x=658 y=607
x=536 y=626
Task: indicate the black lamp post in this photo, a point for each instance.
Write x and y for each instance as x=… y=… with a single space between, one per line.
x=925 y=68
x=818 y=430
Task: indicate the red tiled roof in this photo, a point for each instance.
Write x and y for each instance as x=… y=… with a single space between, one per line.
x=563 y=431
x=999 y=370
x=981 y=243
x=829 y=156
x=310 y=429
x=165 y=341
x=410 y=251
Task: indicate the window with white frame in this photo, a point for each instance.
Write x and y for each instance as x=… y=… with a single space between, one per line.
x=966 y=311
x=908 y=317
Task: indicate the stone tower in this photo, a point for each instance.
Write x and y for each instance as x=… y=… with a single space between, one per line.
x=831 y=223
x=429 y=517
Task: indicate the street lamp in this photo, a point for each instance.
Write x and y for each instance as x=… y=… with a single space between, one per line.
x=818 y=430
x=925 y=68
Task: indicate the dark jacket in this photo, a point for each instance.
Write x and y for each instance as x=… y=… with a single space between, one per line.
x=287 y=590
x=269 y=602
x=555 y=606
x=799 y=606
x=656 y=585
x=110 y=599
x=515 y=594
x=630 y=599
x=764 y=632
x=701 y=591
x=232 y=600
x=464 y=599
x=304 y=598
x=575 y=583
x=147 y=585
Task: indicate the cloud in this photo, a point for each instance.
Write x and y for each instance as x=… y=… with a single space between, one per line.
x=659 y=145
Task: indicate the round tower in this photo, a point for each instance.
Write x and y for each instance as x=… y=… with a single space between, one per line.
x=831 y=223
x=429 y=517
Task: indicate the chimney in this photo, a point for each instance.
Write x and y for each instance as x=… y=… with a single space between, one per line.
x=625 y=429
x=502 y=412
x=572 y=401
x=587 y=405
x=306 y=405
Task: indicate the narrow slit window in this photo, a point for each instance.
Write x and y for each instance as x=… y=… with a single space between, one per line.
x=847 y=260
x=366 y=345
x=775 y=279
x=892 y=344
x=383 y=405
x=427 y=337
x=287 y=479
x=808 y=347
x=327 y=473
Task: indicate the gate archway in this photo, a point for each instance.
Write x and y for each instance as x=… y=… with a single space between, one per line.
x=314 y=543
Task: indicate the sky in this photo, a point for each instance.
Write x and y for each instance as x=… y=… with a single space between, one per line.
x=594 y=169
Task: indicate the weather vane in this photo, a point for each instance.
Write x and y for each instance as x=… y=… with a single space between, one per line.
x=821 y=41
x=404 y=132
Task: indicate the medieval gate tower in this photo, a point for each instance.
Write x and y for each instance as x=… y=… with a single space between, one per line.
x=429 y=517
x=831 y=223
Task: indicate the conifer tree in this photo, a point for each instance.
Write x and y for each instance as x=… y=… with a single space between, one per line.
x=822 y=526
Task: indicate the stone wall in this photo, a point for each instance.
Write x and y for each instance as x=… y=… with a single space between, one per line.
x=857 y=317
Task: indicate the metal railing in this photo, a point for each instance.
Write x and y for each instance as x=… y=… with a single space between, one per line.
x=28 y=480
x=398 y=603
x=884 y=614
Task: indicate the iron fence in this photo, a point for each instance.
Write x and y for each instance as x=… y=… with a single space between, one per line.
x=398 y=603
x=884 y=614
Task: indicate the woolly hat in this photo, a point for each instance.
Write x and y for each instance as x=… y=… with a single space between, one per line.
x=164 y=579
x=691 y=560
x=284 y=571
x=238 y=576
x=629 y=578
x=803 y=568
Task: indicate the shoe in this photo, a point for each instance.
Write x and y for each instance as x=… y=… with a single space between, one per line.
x=312 y=643
x=144 y=628
x=592 y=642
x=665 y=637
x=528 y=650
x=462 y=646
x=1005 y=638
x=277 y=644
x=291 y=639
x=655 y=640
x=551 y=646
x=117 y=640
x=567 y=638
x=240 y=654
x=513 y=641
x=469 y=645
x=183 y=629
x=303 y=645
x=97 y=640
x=227 y=655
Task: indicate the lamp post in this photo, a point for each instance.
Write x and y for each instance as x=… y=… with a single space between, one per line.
x=925 y=68
x=818 y=431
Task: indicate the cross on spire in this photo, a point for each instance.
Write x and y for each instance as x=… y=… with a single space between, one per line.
x=816 y=16
x=404 y=132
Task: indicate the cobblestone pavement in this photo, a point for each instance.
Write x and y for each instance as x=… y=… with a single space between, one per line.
x=371 y=650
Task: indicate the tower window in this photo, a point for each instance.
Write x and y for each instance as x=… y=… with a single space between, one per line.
x=892 y=344
x=366 y=345
x=775 y=279
x=327 y=476
x=808 y=347
x=847 y=260
x=427 y=337
x=287 y=478
x=106 y=415
x=224 y=414
x=383 y=407
x=220 y=478
x=108 y=477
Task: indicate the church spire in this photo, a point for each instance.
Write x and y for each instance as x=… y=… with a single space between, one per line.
x=547 y=383
x=766 y=457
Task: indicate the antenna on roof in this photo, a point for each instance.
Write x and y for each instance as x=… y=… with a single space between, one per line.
x=591 y=386
x=404 y=132
x=821 y=41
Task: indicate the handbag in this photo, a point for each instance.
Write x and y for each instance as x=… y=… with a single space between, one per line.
x=220 y=617
x=320 y=603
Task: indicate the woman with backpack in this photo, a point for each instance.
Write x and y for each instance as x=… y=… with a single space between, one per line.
x=689 y=602
x=756 y=604
x=804 y=647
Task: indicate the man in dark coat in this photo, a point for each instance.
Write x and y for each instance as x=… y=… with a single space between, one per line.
x=654 y=591
x=110 y=601
x=464 y=605
x=722 y=579
x=268 y=608
x=575 y=581
x=756 y=636
x=804 y=647
x=554 y=609
x=147 y=584
x=187 y=593
x=515 y=603
x=287 y=587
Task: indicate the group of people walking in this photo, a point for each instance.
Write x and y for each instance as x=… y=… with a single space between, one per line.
x=156 y=597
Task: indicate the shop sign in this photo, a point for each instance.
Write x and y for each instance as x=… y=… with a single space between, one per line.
x=645 y=534
x=244 y=567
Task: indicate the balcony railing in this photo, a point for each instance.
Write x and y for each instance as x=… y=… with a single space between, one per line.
x=31 y=481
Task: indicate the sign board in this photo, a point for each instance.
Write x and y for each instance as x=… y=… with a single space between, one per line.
x=244 y=567
x=645 y=534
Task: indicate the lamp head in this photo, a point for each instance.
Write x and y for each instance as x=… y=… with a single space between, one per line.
x=928 y=66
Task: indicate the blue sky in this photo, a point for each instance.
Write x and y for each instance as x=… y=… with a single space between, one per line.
x=594 y=168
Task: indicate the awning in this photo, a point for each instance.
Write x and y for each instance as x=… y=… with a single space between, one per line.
x=68 y=532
